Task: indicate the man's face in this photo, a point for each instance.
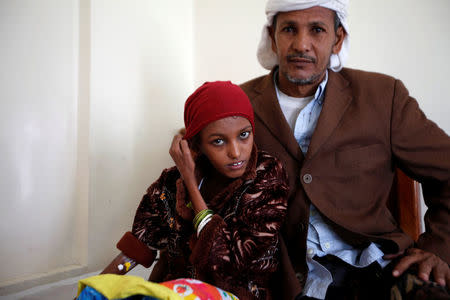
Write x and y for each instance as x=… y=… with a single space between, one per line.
x=304 y=41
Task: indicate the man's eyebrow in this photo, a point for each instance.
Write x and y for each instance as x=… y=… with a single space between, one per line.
x=288 y=22
x=318 y=23
x=312 y=23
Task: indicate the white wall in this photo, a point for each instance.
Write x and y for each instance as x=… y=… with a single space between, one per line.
x=38 y=136
x=141 y=74
x=408 y=39
x=91 y=94
x=226 y=34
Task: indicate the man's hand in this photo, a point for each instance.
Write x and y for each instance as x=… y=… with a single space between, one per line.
x=427 y=264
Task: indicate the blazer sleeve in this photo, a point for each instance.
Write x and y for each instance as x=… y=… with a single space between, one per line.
x=422 y=151
x=246 y=244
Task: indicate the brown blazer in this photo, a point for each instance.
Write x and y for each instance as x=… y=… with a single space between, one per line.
x=368 y=126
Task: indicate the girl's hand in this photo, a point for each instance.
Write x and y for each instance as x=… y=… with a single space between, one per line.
x=182 y=156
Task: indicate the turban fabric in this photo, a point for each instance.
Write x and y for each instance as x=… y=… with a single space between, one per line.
x=268 y=59
x=213 y=101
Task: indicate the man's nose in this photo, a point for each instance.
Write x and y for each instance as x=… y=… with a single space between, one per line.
x=233 y=150
x=301 y=42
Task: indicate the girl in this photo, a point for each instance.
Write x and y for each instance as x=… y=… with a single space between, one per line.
x=216 y=215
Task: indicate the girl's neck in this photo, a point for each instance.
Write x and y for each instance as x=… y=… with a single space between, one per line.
x=213 y=184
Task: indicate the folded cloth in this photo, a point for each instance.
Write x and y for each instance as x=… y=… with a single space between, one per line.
x=196 y=289
x=111 y=286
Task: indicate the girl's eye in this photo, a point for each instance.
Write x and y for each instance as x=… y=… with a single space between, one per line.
x=245 y=134
x=217 y=142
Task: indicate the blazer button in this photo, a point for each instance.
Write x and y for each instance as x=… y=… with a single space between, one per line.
x=300 y=277
x=307 y=178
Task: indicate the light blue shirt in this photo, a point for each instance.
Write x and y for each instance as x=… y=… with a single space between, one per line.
x=322 y=240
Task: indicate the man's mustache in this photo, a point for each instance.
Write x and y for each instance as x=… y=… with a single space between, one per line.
x=302 y=56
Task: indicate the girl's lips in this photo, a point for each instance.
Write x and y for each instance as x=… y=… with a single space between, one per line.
x=237 y=165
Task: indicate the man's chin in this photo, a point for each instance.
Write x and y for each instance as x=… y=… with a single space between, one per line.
x=303 y=80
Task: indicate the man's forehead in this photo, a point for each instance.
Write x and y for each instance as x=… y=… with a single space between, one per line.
x=312 y=14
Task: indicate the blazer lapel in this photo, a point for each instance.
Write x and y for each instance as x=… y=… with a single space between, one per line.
x=267 y=108
x=337 y=99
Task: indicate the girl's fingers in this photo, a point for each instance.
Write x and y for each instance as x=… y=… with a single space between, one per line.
x=185 y=149
x=175 y=146
x=181 y=154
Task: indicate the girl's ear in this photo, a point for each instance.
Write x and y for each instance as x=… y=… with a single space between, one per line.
x=195 y=154
x=195 y=149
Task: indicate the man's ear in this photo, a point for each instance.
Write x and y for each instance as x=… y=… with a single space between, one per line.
x=272 y=38
x=340 y=36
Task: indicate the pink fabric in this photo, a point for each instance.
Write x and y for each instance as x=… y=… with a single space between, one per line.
x=195 y=289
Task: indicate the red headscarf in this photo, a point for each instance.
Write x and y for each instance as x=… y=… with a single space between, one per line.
x=214 y=101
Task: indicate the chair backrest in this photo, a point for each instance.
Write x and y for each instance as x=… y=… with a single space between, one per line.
x=405 y=204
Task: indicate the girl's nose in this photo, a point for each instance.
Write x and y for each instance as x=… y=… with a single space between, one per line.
x=233 y=150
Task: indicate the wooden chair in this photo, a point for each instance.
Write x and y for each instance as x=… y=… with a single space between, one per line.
x=404 y=204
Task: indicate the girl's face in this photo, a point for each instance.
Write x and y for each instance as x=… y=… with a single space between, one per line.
x=228 y=143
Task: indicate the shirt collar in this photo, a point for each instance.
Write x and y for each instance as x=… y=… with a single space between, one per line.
x=320 y=92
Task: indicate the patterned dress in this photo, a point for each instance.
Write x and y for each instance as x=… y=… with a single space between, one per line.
x=238 y=249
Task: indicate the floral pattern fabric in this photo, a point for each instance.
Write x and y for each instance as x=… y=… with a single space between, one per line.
x=238 y=249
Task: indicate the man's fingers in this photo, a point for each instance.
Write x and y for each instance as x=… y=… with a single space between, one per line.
x=441 y=274
x=412 y=257
x=393 y=256
x=447 y=277
x=428 y=264
x=402 y=266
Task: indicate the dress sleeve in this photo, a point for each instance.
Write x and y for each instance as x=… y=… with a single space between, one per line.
x=153 y=222
x=155 y=215
x=246 y=243
x=422 y=151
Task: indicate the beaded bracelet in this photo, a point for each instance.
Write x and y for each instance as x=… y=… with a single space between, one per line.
x=200 y=216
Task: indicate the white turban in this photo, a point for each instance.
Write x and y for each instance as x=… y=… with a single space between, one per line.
x=268 y=59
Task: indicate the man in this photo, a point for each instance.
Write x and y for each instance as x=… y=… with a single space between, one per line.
x=341 y=133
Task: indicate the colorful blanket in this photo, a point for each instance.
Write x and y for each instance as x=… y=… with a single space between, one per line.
x=110 y=286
